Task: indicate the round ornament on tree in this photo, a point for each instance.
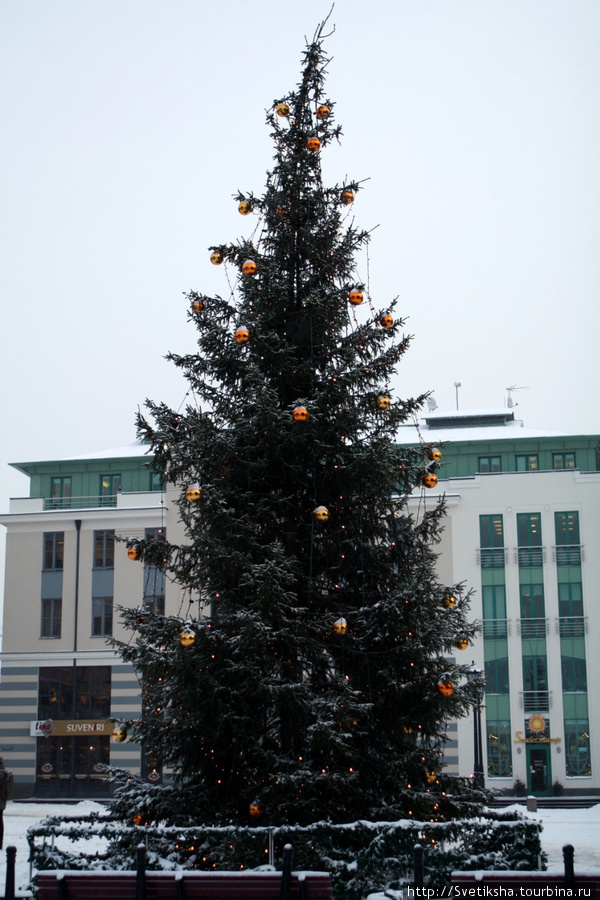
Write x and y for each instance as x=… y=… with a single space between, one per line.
x=445 y=687
x=383 y=402
x=386 y=321
x=216 y=257
x=256 y=809
x=356 y=297
x=321 y=514
x=323 y=112
x=461 y=644
x=193 y=493
x=187 y=638
x=430 y=480
x=249 y=267
x=242 y=335
x=434 y=455
x=119 y=734
x=449 y=601
x=198 y=305
x=282 y=110
x=300 y=414
x=340 y=626
x=347 y=197
x=244 y=208
x=430 y=777
x=133 y=553
x=313 y=144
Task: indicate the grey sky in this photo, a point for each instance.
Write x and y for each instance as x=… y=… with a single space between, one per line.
x=128 y=125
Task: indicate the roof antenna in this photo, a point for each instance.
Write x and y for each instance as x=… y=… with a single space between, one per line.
x=510 y=402
x=457 y=384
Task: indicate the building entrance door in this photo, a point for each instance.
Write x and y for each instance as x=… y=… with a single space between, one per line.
x=539 y=773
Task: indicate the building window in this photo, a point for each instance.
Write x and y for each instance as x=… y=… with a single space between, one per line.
x=491 y=531
x=574 y=677
x=51 y=617
x=80 y=693
x=535 y=674
x=494 y=601
x=577 y=747
x=489 y=464
x=104 y=549
x=532 y=601
x=157 y=481
x=529 y=530
x=60 y=491
x=563 y=460
x=499 y=749
x=570 y=599
x=110 y=485
x=527 y=462
x=154 y=578
x=54 y=549
x=102 y=616
x=568 y=548
x=496 y=675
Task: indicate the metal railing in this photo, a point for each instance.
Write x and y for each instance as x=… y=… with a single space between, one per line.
x=568 y=554
x=535 y=701
x=572 y=626
x=529 y=628
x=530 y=557
x=491 y=557
x=80 y=502
x=496 y=628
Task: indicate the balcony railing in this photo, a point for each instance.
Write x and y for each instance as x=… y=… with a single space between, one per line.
x=568 y=554
x=535 y=701
x=496 y=628
x=491 y=557
x=531 y=628
x=80 y=502
x=530 y=557
x=572 y=626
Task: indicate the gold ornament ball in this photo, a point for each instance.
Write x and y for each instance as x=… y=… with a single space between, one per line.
x=356 y=297
x=321 y=513
x=193 y=494
x=187 y=638
x=383 y=402
x=119 y=734
x=347 y=197
x=430 y=480
x=434 y=455
x=386 y=321
x=449 y=601
x=216 y=257
x=198 y=305
x=249 y=267
x=430 y=777
x=133 y=553
x=445 y=688
x=282 y=110
x=242 y=336
x=461 y=644
x=256 y=809
x=300 y=414
x=323 y=112
x=340 y=626
x=244 y=208
x=313 y=144
x=138 y=819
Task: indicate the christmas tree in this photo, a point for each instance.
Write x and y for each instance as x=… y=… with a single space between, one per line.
x=314 y=672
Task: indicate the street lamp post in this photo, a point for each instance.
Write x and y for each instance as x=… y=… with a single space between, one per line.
x=478 y=774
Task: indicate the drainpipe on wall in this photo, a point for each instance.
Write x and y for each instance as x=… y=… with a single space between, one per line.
x=75 y=621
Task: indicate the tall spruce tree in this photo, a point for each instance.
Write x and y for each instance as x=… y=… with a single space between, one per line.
x=316 y=671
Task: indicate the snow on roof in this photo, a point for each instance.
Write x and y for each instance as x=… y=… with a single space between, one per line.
x=137 y=449
x=471 y=425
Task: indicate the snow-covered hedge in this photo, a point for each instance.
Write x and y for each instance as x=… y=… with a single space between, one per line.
x=361 y=856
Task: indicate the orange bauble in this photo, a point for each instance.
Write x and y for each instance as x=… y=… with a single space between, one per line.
x=133 y=553
x=193 y=494
x=187 y=638
x=383 y=402
x=347 y=197
x=430 y=480
x=249 y=267
x=242 y=335
x=323 y=112
x=313 y=144
x=300 y=414
x=449 y=601
x=256 y=809
x=282 y=110
x=321 y=513
x=434 y=455
x=216 y=258
x=386 y=321
x=461 y=644
x=244 y=208
x=356 y=297
x=445 y=688
x=340 y=626
x=198 y=305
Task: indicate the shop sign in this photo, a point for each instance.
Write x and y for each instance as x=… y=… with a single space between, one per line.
x=519 y=739
x=69 y=727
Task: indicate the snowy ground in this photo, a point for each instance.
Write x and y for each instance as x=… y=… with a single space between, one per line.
x=580 y=827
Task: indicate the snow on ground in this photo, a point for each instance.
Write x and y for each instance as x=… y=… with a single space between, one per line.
x=580 y=827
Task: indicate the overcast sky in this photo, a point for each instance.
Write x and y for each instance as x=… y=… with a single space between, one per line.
x=127 y=126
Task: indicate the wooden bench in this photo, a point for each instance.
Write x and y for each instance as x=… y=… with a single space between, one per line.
x=181 y=885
